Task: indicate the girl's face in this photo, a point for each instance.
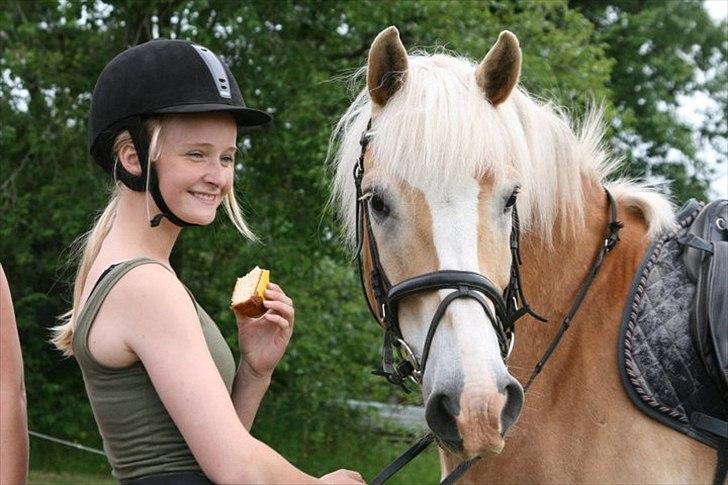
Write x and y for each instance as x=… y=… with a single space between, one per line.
x=196 y=163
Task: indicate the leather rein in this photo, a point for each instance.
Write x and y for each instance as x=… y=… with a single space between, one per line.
x=508 y=306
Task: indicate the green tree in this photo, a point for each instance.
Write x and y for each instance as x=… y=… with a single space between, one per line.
x=664 y=51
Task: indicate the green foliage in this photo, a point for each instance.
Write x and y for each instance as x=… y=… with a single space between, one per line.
x=289 y=57
x=664 y=51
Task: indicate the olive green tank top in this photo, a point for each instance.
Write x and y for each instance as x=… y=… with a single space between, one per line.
x=139 y=436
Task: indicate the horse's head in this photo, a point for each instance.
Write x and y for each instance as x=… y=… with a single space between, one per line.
x=441 y=188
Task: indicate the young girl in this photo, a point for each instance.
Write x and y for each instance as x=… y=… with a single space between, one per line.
x=162 y=383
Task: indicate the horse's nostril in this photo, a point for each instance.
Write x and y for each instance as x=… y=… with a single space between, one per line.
x=440 y=413
x=514 y=402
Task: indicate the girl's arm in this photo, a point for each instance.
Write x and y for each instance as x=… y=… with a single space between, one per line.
x=163 y=330
x=248 y=391
x=262 y=342
x=13 y=414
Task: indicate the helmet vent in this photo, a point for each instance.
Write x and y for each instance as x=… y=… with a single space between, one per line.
x=217 y=71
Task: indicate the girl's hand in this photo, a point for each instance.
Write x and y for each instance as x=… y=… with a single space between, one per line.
x=343 y=476
x=263 y=340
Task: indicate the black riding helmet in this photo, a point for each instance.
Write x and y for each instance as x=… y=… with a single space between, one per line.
x=158 y=77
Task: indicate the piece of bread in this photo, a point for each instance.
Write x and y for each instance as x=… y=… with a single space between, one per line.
x=249 y=293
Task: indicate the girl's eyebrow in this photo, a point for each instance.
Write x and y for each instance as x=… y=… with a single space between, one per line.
x=207 y=145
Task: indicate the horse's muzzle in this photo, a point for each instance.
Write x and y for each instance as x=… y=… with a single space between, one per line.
x=474 y=422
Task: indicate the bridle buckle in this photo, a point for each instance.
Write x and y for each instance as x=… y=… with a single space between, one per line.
x=408 y=356
x=511 y=344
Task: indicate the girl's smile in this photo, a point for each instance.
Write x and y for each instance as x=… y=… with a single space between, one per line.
x=206 y=198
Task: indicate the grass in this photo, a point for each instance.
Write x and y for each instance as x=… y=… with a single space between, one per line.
x=39 y=477
x=315 y=448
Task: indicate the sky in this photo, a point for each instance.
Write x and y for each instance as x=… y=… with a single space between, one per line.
x=718 y=10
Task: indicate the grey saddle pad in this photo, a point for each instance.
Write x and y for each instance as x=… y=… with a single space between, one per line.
x=661 y=371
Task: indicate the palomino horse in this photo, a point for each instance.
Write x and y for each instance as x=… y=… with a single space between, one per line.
x=452 y=143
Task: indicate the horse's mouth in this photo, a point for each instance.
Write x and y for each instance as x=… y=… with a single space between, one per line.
x=454 y=447
x=457 y=450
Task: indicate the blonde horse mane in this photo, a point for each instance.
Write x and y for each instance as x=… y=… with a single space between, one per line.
x=439 y=127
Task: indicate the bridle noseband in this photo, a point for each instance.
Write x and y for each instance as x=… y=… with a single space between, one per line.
x=508 y=306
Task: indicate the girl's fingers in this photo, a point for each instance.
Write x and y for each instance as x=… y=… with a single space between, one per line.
x=275 y=292
x=278 y=320
x=274 y=296
x=283 y=309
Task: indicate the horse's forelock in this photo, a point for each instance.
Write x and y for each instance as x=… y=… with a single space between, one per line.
x=439 y=127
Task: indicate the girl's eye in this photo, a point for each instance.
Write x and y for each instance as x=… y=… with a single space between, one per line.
x=195 y=154
x=228 y=160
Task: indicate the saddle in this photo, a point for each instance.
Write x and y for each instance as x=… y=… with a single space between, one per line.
x=706 y=259
x=672 y=346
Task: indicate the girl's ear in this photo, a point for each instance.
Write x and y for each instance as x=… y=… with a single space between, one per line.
x=129 y=159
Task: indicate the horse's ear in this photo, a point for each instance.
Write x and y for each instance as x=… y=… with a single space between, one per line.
x=387 y=66
x=498 y=72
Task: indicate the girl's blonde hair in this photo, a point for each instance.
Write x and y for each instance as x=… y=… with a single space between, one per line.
x=87 y=246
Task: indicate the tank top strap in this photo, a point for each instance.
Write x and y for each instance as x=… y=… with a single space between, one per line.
x=109 y=278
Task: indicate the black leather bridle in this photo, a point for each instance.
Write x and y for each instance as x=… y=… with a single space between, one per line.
x=509 y=305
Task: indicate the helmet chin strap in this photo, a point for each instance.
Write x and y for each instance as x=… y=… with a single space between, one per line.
x=138 y=182
x=163 y=207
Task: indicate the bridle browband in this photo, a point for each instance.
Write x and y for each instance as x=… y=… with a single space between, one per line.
x=508 y=305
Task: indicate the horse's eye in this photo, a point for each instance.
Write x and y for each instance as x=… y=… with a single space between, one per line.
x=512 y=199
x=378 y=205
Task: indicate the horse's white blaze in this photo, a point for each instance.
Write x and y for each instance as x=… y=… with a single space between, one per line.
x=454 y=215
x=455 y=225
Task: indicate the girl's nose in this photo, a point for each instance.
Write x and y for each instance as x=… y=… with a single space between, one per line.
x=215 y=174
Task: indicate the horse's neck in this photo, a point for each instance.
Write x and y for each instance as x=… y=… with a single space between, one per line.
x=553 y=274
